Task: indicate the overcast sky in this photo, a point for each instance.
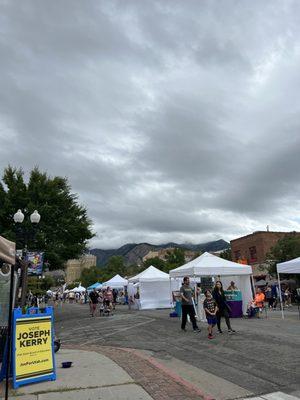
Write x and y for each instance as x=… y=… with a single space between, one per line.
x=173 y=120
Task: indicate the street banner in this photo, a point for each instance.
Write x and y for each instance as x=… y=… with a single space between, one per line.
x=35 y=261
x=33 y=347
x=7 y=251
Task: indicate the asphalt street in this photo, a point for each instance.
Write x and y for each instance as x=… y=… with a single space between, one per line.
x=262 y=356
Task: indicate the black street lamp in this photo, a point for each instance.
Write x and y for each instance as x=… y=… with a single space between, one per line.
x=24 y=237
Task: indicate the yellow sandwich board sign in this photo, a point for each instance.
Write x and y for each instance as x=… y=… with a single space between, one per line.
x=33 y=347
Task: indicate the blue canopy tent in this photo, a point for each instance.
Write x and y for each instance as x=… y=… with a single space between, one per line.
x=96 y=285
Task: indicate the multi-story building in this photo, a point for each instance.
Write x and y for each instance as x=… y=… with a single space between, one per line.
x=74 y=267
x=253 y=249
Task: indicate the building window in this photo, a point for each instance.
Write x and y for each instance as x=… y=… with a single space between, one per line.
x=237 y=255
x=253 y=254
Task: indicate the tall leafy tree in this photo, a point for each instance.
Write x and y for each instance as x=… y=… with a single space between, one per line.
x=285 y=249
x=226 y=254
x=64 y=228
x=116 y=265
x=89 y=276
x=175 y=258
x=156 y=262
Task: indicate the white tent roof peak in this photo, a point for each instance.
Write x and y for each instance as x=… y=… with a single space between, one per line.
x=150 y=274
x=209 y=265
x=116 y=282
x=78 y=289
x=117 y=278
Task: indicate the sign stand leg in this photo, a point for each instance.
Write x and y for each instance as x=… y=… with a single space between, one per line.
x=11 y=296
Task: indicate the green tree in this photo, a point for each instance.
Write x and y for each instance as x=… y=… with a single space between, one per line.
x=64 y=228
x=39 y=286
x=116 y=265
x=156 y=262
x=47 y=282
x=285 y=249
x=226 y=254
x=133 y=269
x=175 y=258
x=196 y=255
x=89 y=276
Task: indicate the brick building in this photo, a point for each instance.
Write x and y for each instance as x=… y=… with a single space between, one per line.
x=253 y=249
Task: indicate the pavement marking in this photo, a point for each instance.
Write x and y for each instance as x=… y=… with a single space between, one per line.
x=118 y=331
x=115 y=324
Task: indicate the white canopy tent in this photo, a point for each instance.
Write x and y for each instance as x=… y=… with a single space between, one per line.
x=117 y=282
x=154 y=288
x=78 y=289
x=287 y=267
x=209 y=265
x=150 y=274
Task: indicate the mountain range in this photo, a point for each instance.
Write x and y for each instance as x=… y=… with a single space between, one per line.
x=133 y=253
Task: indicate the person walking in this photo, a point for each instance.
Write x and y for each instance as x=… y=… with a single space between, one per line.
x=223 y=309
x=269 y=297
x=94 y=301
x=187 y=305
x=115 y=296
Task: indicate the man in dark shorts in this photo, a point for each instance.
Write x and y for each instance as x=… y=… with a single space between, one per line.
x=94 y=300
x=187 y=305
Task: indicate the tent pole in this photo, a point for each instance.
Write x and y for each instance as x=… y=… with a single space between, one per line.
x=171 y=297
x=252 y=284
x=195 y=293
x=280 y=296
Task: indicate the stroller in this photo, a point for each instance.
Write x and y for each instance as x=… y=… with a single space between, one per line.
x=105 y=309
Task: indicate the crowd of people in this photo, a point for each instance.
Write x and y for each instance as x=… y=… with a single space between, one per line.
x=105 y=300
x=269 y=297
x=216 y=306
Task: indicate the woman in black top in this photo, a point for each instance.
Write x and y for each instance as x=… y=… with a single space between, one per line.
x=223 y=309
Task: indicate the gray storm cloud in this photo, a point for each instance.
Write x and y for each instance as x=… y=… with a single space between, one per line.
x=172 y=120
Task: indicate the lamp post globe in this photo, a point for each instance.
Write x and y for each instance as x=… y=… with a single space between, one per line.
x=18 y=217
x=35 y=217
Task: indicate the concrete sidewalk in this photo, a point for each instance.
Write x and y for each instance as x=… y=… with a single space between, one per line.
x=111 y=373
x=92 y=376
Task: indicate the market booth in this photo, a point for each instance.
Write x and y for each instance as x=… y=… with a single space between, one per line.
x=117 y=282
x=96 y=286
x=287 y=267
x=78 y=289
x=208 y=265
x=153 y=287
